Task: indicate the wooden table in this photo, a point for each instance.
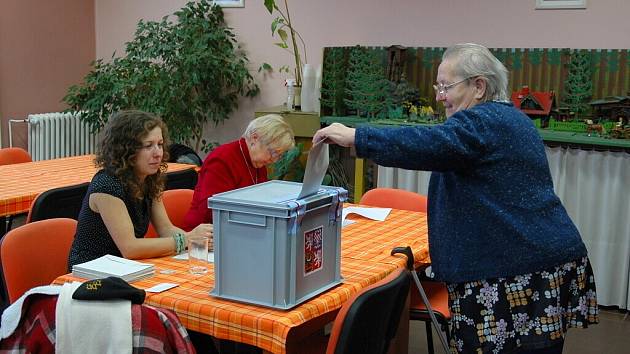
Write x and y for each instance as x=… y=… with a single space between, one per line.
x=21 y=183
x=365 y=259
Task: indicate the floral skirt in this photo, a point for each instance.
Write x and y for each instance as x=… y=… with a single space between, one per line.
x=530 y=311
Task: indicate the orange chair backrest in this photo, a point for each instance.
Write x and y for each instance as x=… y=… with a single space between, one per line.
x=176 y=202
x=9 y=156
x=35 y=254
x=395 y=198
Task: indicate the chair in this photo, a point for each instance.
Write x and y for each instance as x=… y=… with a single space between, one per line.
x=155 y=330
x=62 y=202
x=176 y=202
x=437 y=293
x=184 y=179
x=35 y=254
x=368 y=321
x=395 y=198
x=9 y=156
x=183 y=154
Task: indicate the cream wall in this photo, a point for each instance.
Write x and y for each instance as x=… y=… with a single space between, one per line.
x=494 y=23
x=45 y=46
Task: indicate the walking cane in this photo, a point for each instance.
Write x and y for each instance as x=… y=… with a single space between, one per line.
x=407 y=252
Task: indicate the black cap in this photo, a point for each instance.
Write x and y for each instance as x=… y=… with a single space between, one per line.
x=108 y=288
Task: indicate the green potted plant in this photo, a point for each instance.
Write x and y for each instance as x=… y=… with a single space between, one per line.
x=189 y=70
x=283 y=29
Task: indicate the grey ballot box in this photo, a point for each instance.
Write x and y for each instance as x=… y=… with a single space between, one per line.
x=272 y=249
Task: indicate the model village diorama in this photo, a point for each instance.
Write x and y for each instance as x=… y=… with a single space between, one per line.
x=585 y=92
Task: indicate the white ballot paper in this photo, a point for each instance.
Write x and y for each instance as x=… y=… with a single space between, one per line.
x=316 y=167
x=379 y=214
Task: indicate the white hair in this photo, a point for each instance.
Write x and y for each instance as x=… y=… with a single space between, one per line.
x=474 y=60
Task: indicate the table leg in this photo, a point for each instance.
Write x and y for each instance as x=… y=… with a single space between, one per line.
x=359 y=176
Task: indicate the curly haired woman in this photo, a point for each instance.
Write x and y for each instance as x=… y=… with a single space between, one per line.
x=125 y=195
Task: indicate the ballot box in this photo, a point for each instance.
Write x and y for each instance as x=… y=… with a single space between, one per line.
x=273 y=249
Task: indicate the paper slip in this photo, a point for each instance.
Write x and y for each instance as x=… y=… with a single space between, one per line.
x=316 y=167
x=161 y=287
x=347 y=222
x=184 y=256
x=379 y=214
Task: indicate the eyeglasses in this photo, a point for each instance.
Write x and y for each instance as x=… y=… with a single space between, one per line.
x=275 y=155
x=441 y=89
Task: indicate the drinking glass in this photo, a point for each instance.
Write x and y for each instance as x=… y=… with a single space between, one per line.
x=198 y=254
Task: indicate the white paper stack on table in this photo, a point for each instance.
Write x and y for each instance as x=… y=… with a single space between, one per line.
x=112 y=266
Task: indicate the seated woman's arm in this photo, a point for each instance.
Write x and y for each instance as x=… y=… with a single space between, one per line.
x=119 y=225
x=166 y=229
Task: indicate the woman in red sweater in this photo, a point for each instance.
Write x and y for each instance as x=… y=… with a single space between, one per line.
x=238 y=164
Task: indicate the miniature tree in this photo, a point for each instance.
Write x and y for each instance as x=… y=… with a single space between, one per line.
x=366 y=84
x=405 y=95
x=334 y=81
x=578 y=86
x=517 y=60
x=535 y=56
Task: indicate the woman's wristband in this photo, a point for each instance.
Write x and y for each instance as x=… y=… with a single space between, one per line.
x=180 y=245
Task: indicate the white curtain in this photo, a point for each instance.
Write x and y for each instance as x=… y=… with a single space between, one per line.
x=594 y=186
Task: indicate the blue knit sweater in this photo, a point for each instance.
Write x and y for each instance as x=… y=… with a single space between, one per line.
x=492 y=208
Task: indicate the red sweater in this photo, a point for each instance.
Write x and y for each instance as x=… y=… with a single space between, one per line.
x=223 y=170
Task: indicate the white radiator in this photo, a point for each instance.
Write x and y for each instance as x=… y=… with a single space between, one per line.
x=54 y=135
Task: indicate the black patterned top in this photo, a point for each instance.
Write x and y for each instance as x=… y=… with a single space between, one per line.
x=92 y=240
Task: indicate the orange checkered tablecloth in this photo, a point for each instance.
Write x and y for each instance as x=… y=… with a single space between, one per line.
x=21 y=183
x=365 y=259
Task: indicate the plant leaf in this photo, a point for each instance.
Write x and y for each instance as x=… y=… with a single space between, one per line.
x=274 y=25
x=270 y=4
x=283 y=35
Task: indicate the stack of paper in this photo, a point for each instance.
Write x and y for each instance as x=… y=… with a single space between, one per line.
x=112 y=266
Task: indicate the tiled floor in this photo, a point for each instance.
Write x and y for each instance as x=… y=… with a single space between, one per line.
x=610 y=336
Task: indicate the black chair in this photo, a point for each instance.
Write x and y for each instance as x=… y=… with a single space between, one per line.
x=63 y=202
x=368 y=321
x=184 y=179
x=183 y=154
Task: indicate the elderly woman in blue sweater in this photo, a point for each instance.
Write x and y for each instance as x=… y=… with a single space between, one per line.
x=517 y=270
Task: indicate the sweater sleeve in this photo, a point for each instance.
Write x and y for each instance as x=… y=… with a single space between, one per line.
x=454 y=145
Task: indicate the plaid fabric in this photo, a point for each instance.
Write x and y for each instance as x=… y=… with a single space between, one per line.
x=154 y=330
x=365 y=259
x=21 y=183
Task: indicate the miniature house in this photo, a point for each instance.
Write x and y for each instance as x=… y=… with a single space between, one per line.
x=612 y=108
x=535 y=104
